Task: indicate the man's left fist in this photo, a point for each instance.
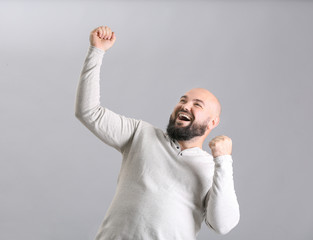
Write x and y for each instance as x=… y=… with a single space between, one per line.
x=221 y=145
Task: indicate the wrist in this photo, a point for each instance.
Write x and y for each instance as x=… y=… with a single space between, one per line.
x=218 y=153
x=98 y=47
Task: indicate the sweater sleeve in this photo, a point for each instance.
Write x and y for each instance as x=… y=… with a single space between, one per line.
x=222 y=208
x=113 y=129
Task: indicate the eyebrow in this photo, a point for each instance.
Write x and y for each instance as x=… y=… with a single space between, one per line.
x=195 y=100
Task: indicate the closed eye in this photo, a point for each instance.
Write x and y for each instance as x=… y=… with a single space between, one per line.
x=198 y=105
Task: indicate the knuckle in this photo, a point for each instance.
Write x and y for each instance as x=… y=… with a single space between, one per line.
x=218 y=144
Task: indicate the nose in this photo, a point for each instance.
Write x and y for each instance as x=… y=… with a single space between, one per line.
x=186 y=106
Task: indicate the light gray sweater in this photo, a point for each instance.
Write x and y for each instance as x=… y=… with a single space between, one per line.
x=162 y=193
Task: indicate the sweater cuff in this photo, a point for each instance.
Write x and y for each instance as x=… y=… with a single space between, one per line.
x=223 y=159
x=96 y=50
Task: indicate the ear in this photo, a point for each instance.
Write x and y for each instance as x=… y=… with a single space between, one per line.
x=213 y=123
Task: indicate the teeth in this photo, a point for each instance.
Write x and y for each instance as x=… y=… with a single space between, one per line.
x=184 y=115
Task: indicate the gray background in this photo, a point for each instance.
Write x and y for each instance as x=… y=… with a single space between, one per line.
x=57 y=179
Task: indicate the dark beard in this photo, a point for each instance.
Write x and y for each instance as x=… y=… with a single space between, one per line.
x=185 y=133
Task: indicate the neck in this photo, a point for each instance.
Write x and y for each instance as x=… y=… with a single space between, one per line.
x=195 y=142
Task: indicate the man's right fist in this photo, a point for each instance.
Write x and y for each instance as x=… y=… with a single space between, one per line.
x=102 y=37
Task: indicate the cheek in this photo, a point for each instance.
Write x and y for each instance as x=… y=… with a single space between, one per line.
x=206 y=117
x=200 y=116
x=177 y=107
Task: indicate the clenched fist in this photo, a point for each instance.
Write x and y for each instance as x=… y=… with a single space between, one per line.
x=221 y=145
x=102 y=37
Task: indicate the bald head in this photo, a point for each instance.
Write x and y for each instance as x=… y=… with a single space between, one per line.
x=194 y=116
x=210 y=101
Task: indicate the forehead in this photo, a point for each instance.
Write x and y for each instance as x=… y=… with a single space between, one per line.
x=211 y=103
x=199 y=94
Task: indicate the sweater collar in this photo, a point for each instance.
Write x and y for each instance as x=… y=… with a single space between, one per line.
x=194 y=151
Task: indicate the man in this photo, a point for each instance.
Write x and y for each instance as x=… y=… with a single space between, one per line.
x=167 y=184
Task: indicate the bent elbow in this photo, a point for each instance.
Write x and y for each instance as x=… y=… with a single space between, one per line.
x=226 y=226
x=224 y=230
x=83 y=118
x=89 y=116
x=78 y=114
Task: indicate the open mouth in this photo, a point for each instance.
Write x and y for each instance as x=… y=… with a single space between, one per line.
x=184 y=117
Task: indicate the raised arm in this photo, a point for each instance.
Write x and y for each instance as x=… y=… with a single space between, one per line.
x=222 y=208
x=88 y=92
x=113 y=129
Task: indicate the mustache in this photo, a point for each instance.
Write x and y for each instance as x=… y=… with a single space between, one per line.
x=184 y=111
